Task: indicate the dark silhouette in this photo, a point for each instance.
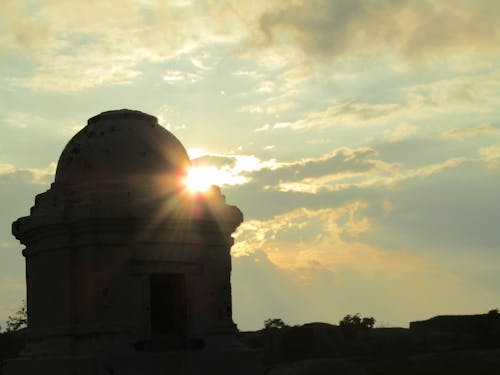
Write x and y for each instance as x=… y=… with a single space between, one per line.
x=274 y=324
x=356 y=322
x=321 y=348
x=19 y=320
x=127 y=270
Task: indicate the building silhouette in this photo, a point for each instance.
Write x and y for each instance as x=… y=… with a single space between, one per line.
x=127 y=272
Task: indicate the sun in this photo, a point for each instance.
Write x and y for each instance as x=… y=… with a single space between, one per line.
x=199 y=179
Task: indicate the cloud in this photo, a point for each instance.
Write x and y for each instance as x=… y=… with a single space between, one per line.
x=317 y=257
x=175 y=76
x=402 y=131
x=266 y=87
x=301 y=237
x=76 y=46
x=380 y=174
x=427 y=249
x=278 y=90
x=247 y=73
x=466 y=93
x=348 y=113
x=20 y=119
x=19 y=28
x=70 y=74
x=463 y=133
x=461 y=94
x=268 y=108
x=230 y=170
x=415 y=30
x=263 y=128
x=339 y=170
x=39 y=176
x=237 y=163
x=451 y=215
x=310 y=174
x=491 y=155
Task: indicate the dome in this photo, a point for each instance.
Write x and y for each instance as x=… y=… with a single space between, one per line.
x=120 y=146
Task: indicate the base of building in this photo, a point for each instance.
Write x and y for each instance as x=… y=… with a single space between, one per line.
x=221 y=357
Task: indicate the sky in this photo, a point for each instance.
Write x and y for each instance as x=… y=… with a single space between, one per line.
x=361 y=139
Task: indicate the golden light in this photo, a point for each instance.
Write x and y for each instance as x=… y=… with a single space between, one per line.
x=199 y=179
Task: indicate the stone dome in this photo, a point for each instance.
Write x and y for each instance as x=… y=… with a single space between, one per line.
x=122 y=146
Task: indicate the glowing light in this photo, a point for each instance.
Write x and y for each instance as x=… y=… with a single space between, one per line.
x=199 y=179
x=195 y=153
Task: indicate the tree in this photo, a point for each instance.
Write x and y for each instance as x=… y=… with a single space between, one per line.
x=19 y=320
x=356 y=322
x=274 y=323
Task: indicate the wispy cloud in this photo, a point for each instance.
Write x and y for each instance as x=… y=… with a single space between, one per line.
x=464 y=93
x=232 y=169
x=380 y=174
x=402 y=131
x=176 y=76
x=76 y=47
x=40 y=176
x=461 y=94
x=20 y=119
x=340 y=163
x=491 y=155
x=349 y=113
x=463 y=133
x=268 y=108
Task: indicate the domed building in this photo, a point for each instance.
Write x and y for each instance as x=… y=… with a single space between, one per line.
x=127 y=271
x=128 y=147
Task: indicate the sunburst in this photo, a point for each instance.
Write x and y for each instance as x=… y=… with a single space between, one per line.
x=199 y=179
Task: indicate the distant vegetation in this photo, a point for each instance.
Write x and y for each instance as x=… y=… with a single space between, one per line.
x=19 y=320
x=13 y=339
x=356 y=322
x=274 y=324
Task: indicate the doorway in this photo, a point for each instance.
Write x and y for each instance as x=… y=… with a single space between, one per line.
x=168 y=304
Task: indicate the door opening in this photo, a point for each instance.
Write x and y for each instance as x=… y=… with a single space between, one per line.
x=168 y=304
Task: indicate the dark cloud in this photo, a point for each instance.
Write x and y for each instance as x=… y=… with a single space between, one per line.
x=254 y=197
x=456 y=212
x=418 y=151
x=331 y=29
x=319 y=28
x=338 y=161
